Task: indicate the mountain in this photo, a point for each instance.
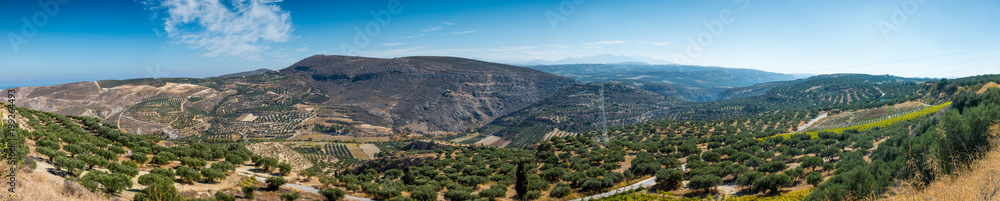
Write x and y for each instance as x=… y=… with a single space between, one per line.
x=357 y=95
x=692 y=83
x=247 y=73
x=422 y=94
x=595 y=59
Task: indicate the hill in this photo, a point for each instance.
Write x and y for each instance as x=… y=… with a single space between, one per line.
x=425 y=94
x=575 y=109
x=578 y=108
x=698 y=83
x=247 y=73
x=356 y=95
x=690 y=157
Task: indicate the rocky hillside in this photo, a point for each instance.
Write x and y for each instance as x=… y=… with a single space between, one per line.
x=425 y=94
x=336 y=95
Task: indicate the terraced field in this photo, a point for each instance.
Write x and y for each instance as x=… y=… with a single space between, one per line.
x=464 y=138
x=883 y=123
x=356 y=152
x=370 y=150
x=390 y=145
x=559 y=133
x=488 y=140
x=867 y=116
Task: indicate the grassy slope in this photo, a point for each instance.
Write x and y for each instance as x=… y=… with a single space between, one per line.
x=981 y=181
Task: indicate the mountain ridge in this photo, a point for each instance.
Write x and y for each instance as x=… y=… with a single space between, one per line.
x=374 y=96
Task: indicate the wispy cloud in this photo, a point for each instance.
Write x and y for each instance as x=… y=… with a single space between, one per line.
x=661 y=43
x=430 y=29
x=418 y=35
x=459 y=33
x=607 y=42
x=448 y=23
x=392 y=44
x=232 y=29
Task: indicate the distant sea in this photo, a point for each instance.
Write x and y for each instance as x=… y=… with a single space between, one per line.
x=8 y=87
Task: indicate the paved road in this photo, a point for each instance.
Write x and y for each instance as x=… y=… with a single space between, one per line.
x=811 y=122
x=644 y=183
x=313 y=190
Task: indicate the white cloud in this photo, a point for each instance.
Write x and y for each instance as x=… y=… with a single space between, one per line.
x=418 y=35
x=303 y=49
x=607 y=42
x=459 y=33
x=430 y=29
x=392 y=44
x=448 y=23
x=242 y=28
x=661 y=43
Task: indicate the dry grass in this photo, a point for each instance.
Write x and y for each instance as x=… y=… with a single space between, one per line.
x=987 y=87
x=37 y=186
x=980 y=182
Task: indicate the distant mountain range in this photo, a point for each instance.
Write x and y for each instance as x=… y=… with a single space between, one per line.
x=596 y=59
x=686 y=82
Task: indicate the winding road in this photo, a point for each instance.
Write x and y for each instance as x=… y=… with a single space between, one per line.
x=811 y=122
x=644 y=183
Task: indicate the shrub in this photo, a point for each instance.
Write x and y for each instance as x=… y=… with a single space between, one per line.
x=139 y=157
x=289 y=196
x=274 y=183
x=456 y=195
x=168 y=173
x=334 y=194
x=533 y=195
x=162 y=190
x=561 y=190
x=224 y=166
x=771 y=183
x=285 y=168
x=188 y=175
x=248 y=191
x=150 y=179
x=212 y=174
x=705 y=182
x=669 y=178
x=220 y=196
x=814 y=178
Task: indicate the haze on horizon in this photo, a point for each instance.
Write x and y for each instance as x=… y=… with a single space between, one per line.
x=87 y=40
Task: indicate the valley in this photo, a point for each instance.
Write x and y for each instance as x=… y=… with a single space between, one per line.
x=328 y=128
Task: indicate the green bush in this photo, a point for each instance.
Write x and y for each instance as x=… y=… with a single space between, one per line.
x=705 y=182
x=274 y=183
x=561 y=190
x=669 y=178
x=334 y=194
x=220 y=196
x=188 y=175
x=289 y=196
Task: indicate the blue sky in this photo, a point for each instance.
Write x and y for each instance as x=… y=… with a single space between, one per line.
x=95 y=40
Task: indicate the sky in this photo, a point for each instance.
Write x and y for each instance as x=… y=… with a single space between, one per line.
x=59 y=41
